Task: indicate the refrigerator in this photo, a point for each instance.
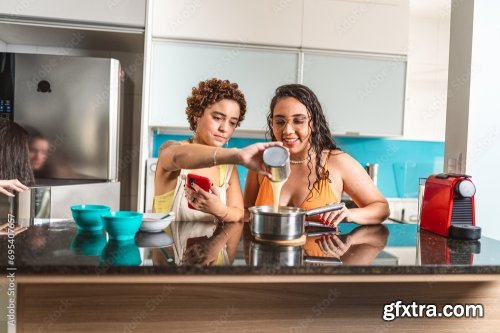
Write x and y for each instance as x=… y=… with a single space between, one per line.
x=71 y=107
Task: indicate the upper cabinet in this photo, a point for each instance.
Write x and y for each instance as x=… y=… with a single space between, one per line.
x=268 y=22
x=119 y=13
x=359 y=95
x=177 y=67
x=351 y=53
x=379 y=26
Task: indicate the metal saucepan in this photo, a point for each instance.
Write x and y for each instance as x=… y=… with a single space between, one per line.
x=267 y=254
x=272 y=255
x=286 y=224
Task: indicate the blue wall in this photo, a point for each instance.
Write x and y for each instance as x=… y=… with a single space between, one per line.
x=401 y=162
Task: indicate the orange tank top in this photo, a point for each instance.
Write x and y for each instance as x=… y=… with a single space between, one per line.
x=314 y=199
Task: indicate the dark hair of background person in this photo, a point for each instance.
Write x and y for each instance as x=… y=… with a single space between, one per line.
x=14 y=153
x=212 y=91
x=34 y=134
x=321 y=137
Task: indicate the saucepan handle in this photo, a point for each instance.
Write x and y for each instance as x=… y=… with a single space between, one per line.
x=329 y=208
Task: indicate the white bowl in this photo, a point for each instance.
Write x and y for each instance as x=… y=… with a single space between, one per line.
x=153 y=222
x=153 y=240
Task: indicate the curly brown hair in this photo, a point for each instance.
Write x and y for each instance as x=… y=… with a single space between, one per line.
x=212 y=91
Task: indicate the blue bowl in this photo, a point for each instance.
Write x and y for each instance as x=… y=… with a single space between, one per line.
x=120 y=253
x=122 y=225
x=88 y=217
x=88 y=243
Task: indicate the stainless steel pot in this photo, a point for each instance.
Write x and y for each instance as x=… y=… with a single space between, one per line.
x=267 y=254
x=286 y=224
x=271 y=255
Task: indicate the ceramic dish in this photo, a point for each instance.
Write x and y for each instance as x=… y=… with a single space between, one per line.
x=153 y=240
x=156 y=222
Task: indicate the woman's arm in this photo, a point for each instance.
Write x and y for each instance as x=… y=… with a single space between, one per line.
x=230 y=235
x=175 y=156
x=12 y=184
x=206 y=251
x=251 y=191
x=373 y=207
x=348 y=175
x=234 y=200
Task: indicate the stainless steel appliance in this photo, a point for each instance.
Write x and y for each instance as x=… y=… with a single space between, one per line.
x=74 y=103
x=71 y=108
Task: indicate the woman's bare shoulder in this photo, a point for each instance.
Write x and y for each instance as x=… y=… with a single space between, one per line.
x=334 y=152
x=340 y=159
x=172 y=143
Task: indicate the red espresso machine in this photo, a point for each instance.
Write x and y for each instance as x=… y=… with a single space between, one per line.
x=448 y=206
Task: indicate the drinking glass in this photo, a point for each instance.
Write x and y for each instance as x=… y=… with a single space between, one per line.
x=421 y=189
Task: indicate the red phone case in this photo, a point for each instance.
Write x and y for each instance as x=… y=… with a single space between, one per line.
x=201 y=181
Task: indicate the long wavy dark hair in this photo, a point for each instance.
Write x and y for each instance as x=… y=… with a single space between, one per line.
x=321 y=138
x=14 y=153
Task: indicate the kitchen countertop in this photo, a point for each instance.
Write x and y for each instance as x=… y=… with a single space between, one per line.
x=59 y=249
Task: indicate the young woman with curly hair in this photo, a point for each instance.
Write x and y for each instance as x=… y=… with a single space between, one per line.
x=320 y=171
x=214 y=110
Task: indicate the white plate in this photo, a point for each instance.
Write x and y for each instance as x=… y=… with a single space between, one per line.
x=153 y=240
x=151 y=222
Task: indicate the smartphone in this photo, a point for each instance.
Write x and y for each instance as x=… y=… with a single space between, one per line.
x=201 y=181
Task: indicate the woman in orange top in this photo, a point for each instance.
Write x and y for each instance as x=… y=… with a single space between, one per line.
x=320 y=171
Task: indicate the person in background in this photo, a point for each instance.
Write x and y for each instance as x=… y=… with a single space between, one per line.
x=39 y=152
x=15 y=169
x=320 y=171
x=214 y=110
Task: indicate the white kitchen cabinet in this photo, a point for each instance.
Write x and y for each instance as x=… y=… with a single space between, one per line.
x=427 y=84
x=177 y=67
x=362 y=26
x=359 y=95
x=120 y=13
x=268 y=22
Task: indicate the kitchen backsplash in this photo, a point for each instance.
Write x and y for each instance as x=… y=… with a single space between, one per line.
x=401 y=162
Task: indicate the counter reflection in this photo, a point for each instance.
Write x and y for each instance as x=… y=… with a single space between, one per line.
x=322 y=247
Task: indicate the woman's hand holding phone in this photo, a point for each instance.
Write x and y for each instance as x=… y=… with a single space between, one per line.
x=202 y=195
x=196 y=182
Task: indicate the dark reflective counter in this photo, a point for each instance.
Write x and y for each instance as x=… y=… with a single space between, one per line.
x=59 y=248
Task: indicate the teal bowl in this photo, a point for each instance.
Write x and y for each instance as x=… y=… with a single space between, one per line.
x=88 y=217
x=88 y=243
x=120 y=253
x=122 y=225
